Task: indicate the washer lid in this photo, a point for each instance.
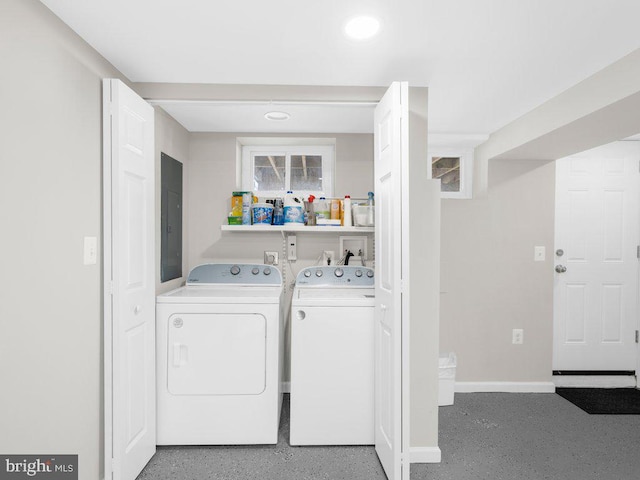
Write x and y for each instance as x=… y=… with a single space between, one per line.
x=222 y=294
x=334 y=297
x=234 y=274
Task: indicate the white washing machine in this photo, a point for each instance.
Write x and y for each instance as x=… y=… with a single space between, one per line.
x=332 y=357
x=220 y=356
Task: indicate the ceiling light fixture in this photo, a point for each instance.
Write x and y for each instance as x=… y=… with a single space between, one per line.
x=362 y=28
x=277 y=116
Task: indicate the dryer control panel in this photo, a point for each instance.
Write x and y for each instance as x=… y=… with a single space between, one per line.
x=235 y=274
x=338 y=276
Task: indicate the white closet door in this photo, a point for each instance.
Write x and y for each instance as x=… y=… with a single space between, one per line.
x=391 y=152
x=129 y=281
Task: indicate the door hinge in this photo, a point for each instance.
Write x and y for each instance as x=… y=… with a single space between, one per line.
x=638 y=251
x=637 y=336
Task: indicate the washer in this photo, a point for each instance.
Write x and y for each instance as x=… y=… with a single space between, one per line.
x=220 y=357
x=332 y=357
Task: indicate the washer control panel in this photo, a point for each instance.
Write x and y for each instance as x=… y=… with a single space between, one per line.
x=344 y=275
x=234 y=274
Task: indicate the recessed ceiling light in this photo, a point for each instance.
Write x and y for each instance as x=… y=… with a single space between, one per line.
x=361 y=28
x=277 y=116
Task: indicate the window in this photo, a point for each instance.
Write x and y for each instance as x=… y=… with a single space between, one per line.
x=270 y=171
x=454 y=168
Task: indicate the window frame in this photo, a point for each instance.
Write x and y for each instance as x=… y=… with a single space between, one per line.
x=327 y=152
x=466 y=169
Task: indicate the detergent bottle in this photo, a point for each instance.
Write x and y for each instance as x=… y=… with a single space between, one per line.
x=293 y=209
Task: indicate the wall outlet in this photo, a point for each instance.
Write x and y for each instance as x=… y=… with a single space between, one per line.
x=328 y=257
x=517 y=336
x=270 y=258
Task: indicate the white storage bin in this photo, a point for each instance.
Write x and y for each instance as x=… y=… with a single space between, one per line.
x=446 y=378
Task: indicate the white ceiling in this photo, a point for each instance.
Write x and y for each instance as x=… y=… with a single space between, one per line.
x=249 y=117
x=486 y=62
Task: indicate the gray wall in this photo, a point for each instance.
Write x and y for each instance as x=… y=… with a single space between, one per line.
x=490 y=283
x=212 y=179
x=423 y=278
x=51 y=174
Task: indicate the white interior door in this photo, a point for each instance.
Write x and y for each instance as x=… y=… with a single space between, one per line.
x=391 y=152
x=130 y=422
x=595 y=311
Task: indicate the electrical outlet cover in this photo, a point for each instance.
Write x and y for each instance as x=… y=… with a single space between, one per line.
x=271 y=258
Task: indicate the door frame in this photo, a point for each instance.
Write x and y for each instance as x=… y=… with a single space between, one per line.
x=107 y=268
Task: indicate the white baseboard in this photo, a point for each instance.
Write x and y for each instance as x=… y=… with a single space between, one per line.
x=505 y=387
x=425 y=454
x=285 y=387
x=595 y=381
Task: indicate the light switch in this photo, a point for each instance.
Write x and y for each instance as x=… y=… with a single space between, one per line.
x=538 y=254
x=90 y=250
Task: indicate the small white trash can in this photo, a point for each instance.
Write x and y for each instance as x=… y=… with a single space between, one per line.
x=446 y=378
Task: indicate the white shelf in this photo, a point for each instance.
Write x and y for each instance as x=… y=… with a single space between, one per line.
x=294 y=228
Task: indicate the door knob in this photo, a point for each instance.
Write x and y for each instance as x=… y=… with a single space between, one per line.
x=561 y=268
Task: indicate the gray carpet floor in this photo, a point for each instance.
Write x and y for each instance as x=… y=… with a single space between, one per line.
x=483 y=436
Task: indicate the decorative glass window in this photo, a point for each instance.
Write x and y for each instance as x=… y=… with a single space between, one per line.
x=270 y=171
x=454 y=168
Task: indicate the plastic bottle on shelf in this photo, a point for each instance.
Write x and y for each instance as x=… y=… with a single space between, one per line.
x=278 y=212
x=322 y=209
x=335 y=209
x=293 y=209
x=347 y=211
x=311 y=214
x=370 y=211
x=247 y=201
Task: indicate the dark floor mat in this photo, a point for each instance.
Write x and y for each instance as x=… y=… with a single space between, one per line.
x=604 y=401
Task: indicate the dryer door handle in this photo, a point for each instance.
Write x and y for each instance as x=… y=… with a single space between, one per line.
x=180 y=354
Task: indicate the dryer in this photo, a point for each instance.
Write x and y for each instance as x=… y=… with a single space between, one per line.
x=220 y=357
x=332 y=357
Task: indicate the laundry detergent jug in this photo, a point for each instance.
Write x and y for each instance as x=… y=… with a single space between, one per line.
x=293 y=209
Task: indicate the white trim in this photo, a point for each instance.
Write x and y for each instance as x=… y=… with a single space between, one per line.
x=326 y=152
x=107 y=280
x=336 y=103
x=505 y=387
x=285 y=387
x=425 y=455
x=288 y=141
x=595 y=381
x=466 y=168
x=404 y=287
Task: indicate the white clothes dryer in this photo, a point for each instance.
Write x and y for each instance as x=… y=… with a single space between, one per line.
x=220 y=356
x=332 y=357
